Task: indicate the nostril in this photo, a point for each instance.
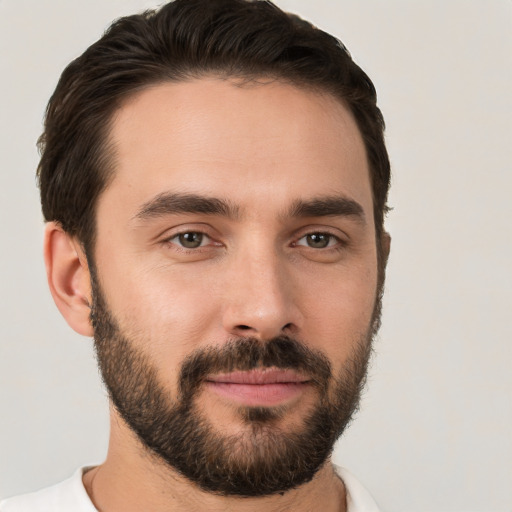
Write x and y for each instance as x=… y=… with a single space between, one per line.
x=241 y=327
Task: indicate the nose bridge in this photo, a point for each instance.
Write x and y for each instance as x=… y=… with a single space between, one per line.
x=260 y=299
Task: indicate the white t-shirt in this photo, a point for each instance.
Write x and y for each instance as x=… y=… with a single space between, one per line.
x=71 y=496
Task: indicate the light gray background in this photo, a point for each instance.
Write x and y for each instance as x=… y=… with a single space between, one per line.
x=434 y=433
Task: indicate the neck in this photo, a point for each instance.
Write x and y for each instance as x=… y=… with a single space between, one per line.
x=131 y=480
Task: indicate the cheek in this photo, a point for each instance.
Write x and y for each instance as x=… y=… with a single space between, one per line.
x=340 y=313
x=167 y=315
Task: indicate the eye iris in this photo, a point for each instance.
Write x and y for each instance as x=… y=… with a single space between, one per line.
x=318 y=240
x=191 y=240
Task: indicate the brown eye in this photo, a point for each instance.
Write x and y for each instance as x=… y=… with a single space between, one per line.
x=318 y=240
x=191 y=240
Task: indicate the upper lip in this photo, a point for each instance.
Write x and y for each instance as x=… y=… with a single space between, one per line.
x=259 y=376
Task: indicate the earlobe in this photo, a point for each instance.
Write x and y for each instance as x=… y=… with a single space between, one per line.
x=68 y=277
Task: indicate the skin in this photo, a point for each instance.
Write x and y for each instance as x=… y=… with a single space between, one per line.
x=260 y=147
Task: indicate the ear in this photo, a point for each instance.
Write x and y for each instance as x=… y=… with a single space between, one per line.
x=68 y=277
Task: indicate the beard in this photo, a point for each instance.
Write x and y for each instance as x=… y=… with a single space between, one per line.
x=263 y=458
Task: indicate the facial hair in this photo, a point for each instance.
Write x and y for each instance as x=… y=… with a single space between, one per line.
x=263 y=459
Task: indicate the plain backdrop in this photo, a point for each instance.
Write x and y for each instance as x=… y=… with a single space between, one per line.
x=434 y=431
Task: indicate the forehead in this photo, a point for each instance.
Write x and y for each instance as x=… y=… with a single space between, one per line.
x=216 y=137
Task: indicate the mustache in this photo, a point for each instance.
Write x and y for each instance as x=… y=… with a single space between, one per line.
x=243 y=354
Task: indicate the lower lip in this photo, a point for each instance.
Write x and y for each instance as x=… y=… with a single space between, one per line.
x=263 y=395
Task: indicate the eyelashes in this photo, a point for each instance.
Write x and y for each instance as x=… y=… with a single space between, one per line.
x=318 y=240
x=190 y=239
x=199 y=241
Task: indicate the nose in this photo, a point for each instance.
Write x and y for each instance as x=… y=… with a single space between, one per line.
x=261 y=299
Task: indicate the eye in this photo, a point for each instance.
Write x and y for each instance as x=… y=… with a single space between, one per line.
x=190 y=239
x=318 y=240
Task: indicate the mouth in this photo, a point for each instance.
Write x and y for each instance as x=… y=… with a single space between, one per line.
x=263 y=387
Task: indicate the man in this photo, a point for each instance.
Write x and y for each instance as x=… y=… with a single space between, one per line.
x=214 y=181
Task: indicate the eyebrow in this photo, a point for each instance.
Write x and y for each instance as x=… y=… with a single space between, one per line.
x=328 y=206
x=172 y=203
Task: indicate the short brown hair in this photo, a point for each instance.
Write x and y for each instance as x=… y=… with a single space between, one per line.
x=186 y=39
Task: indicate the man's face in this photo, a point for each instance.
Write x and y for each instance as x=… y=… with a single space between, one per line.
x=236 y=278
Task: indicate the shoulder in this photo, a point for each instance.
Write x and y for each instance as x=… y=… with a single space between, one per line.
x=67 y=496
x=358 y=498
